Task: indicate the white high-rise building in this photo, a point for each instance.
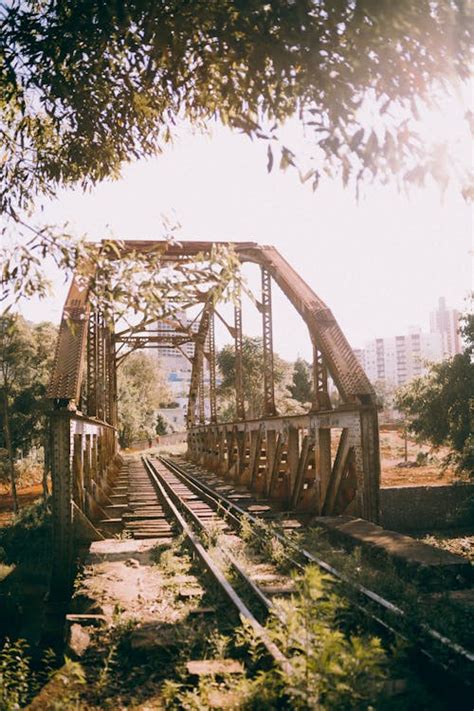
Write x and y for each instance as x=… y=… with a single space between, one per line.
x=171 y=357
x=398 y=359
x=446 y=322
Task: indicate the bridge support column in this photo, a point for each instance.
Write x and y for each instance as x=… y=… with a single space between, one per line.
x=369 y=431
x=62 y=486
x=83 y=461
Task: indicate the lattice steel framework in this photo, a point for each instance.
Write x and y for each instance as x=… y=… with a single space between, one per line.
x=239 y=373
x=92 y=364
x=321 y=399
x=202 y=397
x=267 y=322
x=212 y=369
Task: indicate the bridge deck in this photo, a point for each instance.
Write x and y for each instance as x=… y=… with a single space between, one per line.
x=136 y=510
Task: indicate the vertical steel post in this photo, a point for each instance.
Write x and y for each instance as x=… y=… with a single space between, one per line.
x=321 y=399
x=61 y=476
x=202 y=410
x=268 y=381
x=197 y=368
x=212 y=369
x=113 y=407
x=369 y=430
x=239 y=373
x=92 y=366
x=101 y=367
x=108 y=383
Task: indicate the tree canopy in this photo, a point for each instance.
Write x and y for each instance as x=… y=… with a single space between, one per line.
x=26 y=358
x=440 y=405
x=141 y=388
x=252 y=366
x=87 y=85
x=301 y=388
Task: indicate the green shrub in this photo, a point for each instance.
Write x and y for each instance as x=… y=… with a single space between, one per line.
x=28 y=536
x=15 y=677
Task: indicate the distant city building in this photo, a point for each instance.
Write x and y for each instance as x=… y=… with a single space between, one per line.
x=170 y=357
x=175 y=363
x=399 y=359
x=446 y=322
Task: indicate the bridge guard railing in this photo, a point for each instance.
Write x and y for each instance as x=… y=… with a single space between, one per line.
x=84 y=462
x=326 y=463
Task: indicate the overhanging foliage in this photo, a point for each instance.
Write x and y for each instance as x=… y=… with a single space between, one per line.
x=87 y=85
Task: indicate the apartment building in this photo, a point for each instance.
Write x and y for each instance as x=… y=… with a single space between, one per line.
x=398 y=359
x=446 y=322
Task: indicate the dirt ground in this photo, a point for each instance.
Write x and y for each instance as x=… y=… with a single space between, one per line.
x=26 y=496
x=392 y=452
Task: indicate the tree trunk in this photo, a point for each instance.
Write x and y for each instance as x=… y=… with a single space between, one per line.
x=8 y=443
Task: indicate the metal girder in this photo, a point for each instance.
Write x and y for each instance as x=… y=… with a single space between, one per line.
x=321 y=399
x=198 y=364
x=239 y=375
x=92 y=365
x=212 y=368
x=70 y=355
x=268 y=380
x=101 y=368
x=343 y=366
x=202 y=401
x=339 y=358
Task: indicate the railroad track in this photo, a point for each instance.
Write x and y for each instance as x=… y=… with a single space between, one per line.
x=195 y=506
x=178 y=498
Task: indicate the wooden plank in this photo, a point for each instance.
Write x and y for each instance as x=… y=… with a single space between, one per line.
x=324 y=460
x=210 y=667
x=293 y=455
x=255 y=456
x=280 y=443
x=337 y=473
x=301 y=473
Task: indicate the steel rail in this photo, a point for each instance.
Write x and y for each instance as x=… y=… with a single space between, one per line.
x=224 y=550
x=237 y=513
x=213 y=497
x=256 y=590
x=215 y=570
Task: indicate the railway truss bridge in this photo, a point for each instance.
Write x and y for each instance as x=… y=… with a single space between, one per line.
x=325 y=461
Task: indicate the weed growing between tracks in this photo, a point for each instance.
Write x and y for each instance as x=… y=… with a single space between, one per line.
x=332 y=667
x=439 y=610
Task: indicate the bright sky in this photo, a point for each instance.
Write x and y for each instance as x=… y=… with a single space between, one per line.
x=380 y=265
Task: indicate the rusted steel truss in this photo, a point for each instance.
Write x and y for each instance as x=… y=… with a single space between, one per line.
x=326 y=461
x=239 y=374
x=212 y=369
x=288 y=459
x=268 y=379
